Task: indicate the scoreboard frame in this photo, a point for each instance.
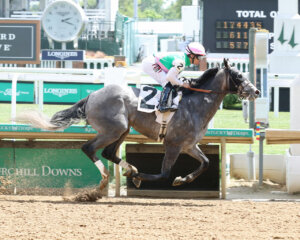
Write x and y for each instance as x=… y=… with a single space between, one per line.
x=226 y=24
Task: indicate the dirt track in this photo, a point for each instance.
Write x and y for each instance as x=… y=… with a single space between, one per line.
x=44 y=217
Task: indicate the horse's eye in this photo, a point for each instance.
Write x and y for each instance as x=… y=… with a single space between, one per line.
x=240 y=75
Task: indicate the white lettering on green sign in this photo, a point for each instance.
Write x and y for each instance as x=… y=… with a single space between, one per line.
x=19 y=172
x=6 y=171
x=89 y=91
x=8 y=92
x=45 y=172
x=48 y=171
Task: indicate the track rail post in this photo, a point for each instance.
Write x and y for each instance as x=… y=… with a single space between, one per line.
x=223 y=175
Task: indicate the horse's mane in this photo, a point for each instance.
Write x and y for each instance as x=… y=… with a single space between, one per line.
x=207 y=75
x=204 y=78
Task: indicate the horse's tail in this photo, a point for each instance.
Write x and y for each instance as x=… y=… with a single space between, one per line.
x=59 y=120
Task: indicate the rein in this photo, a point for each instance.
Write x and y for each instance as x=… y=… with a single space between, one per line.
x=200 y=90
x=210 y=91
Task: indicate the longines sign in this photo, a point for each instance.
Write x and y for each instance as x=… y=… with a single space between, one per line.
x=20 y=41
x=63 y=55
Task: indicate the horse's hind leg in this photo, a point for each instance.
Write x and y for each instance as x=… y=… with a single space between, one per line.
x=196 y=153
x=110 y=151
x=90 y=148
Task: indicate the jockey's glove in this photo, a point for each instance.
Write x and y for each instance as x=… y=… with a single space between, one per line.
x=193 y=82
x=185 y=80
x=156 y=67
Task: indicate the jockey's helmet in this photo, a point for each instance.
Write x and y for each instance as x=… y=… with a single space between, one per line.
x=195 y=48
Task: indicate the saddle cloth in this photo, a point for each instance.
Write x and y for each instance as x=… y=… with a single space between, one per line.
x=148 y=102
x=148 y=99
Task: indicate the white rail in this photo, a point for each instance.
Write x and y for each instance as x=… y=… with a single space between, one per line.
x=240 y=64
x=89 y=63
x=39 y=75
x=90 y=13
x=98 y=63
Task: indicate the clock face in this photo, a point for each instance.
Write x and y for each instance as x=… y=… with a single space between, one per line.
x=63 y=21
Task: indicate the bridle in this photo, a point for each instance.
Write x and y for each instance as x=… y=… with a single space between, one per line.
x=239 y=87
x=229 y=78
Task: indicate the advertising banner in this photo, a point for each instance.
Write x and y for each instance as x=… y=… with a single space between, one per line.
x=87 y=89
x=25 y=92
x=44 y=167
x=63 y=55
x=61 y=93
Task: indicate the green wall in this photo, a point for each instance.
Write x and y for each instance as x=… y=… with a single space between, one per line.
x=35 y=166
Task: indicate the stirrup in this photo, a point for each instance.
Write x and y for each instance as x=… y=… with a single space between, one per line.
x=173 y=108
x=163 y=109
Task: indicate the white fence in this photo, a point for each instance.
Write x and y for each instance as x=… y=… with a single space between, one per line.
x=95 y=63
x=90 y=13
x=240 y=64
x=39 y=75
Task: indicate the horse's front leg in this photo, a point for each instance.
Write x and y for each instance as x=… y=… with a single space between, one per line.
x=196 y=153
x=171 y=155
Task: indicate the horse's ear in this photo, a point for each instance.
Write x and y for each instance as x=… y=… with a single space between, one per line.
x=226 y=63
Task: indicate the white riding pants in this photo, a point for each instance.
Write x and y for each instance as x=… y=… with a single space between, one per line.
x=160 y=76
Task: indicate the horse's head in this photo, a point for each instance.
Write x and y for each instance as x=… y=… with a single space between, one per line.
x=239 y=84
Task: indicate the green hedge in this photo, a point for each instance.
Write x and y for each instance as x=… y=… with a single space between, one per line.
x=232 y=101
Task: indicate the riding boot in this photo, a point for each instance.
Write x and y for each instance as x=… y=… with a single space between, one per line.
x=165 y=103
x=174 y=100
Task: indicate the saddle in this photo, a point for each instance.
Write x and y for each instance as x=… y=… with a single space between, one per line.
x=149 y=101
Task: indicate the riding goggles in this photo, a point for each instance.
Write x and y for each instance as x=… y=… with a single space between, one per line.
x=199 y=57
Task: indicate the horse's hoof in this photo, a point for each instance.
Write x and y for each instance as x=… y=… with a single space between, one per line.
x=178 y=181
x=131 y=172
x=136 y=182
x=127 y=173
x=103 y=183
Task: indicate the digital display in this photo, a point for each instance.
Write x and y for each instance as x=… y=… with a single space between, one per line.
x=234 y=34
x=226 y=24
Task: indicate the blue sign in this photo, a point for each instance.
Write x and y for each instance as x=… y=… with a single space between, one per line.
x=63 y=55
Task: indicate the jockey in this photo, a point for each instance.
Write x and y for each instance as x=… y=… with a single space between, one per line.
x=165 y=68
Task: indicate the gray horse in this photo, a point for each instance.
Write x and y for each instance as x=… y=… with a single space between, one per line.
x=112 y=111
